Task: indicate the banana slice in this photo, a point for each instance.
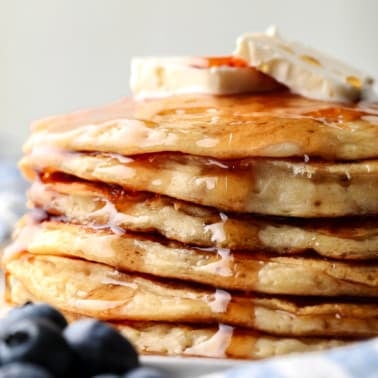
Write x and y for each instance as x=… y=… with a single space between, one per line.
x=304 y=70
x=165 y=76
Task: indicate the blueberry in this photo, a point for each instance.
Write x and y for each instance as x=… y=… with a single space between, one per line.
x=36 y=311
x=106 y=376
x=145 y=372
x=38 y=342
x=22 y=369
x=100 y=348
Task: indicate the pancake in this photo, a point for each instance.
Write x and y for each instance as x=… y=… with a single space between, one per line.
x=200 y=340
x=216 y=342
x=103 y=206
x=215 y=267
x=224 y=127
x=264 y=186
x=96 y=290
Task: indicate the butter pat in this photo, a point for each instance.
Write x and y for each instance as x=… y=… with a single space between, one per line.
x=166 y=76
x=303 y=70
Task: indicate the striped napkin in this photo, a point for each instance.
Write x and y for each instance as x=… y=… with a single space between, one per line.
x=12 y=197
x=359 y=360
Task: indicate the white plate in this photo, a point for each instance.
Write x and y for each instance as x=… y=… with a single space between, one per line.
x=189 y=367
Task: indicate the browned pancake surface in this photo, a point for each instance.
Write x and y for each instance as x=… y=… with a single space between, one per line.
x=226 y=127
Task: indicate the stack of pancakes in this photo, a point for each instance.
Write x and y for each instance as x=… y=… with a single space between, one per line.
x=238 y=226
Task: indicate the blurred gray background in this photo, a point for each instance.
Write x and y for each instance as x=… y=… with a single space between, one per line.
x=60 y=55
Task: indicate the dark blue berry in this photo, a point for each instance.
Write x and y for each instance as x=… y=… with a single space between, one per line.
x=38 y=342
x=107 y=376
x=146 y=372
x=100 y=348
x=23 y=370
x=36 y=311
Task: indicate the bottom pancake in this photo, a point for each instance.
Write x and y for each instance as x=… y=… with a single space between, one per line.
x=100 y=291
x=218 y=342
x=222 y=341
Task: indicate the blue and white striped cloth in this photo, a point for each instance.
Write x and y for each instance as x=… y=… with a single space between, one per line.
x=12 y=197
x=359 y=360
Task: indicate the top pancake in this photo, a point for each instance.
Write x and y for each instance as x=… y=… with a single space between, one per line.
x=225 y=127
